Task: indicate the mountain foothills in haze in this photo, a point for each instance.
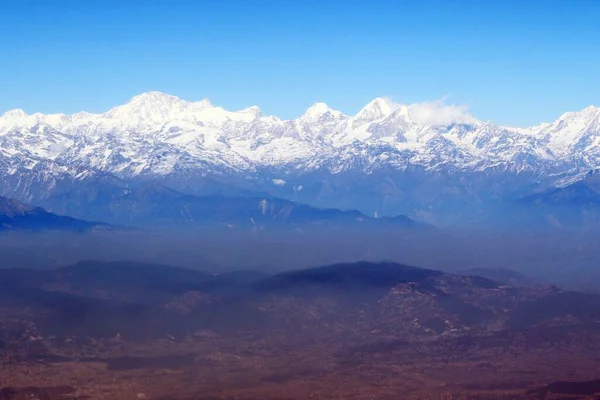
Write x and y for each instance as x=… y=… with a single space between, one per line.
x=114 y=330
x=574 y=204
x=430 y=161
x=152 y=204
x=15 y=216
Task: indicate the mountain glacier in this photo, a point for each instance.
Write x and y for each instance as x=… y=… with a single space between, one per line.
x=430 y=160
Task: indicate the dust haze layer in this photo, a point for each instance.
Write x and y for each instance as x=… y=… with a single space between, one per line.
x=125 y=329
x=565 y=260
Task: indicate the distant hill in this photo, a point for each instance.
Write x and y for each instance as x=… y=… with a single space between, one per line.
x=502 y=275
x=568 y=205
x=16 y=216
x=162 y=326
x=152 y=204
x=142 y=300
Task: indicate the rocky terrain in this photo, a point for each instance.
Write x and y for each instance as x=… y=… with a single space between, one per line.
x=346 y=331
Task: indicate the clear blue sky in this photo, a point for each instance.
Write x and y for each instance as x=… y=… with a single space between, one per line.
x=513 y=62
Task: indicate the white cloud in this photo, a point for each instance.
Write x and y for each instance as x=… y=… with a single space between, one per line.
x=438 y=112
x=279 y=182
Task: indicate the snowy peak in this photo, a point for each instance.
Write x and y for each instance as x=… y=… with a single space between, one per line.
x=377 y=109
x=159 y=100
x=152 y=108
x=573 y=133
x=14 y=118
x=16 y=113
x=254 y=110
x=591 y=108
x=153 y=98
x=202 y=104
x=318 y=110
x=401 y=112
x=588 y=114
x=156 y=133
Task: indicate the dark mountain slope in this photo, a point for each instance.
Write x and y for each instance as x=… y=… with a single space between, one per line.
x=152 y=204
x=502 y=275
x=18 y=216
x=572 y=206
x=362 y=275
x=141 y=300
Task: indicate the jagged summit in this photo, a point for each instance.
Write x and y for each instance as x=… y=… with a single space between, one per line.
x=157 y=135
x=153 y=97
x=156 y=106
x=15 y=215
x=16 y=113
x=588 y=113
x=254 y=110
x=317 y=110
x=150 y=102
x=591 y=108
x=161 y=98
x=13 y=207
x=378 y=108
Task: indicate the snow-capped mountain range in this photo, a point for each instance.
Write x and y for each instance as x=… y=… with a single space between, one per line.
x=387 y=158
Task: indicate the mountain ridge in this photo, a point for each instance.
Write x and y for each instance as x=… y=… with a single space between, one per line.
x=16 y=216
x=153 y=204
x=421 y=151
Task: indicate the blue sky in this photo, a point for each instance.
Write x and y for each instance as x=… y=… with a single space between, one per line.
x=513 y=62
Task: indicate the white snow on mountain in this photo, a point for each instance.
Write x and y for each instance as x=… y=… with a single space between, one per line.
x=159 y=134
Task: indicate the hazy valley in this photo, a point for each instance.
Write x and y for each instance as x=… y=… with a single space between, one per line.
x=122 y=330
